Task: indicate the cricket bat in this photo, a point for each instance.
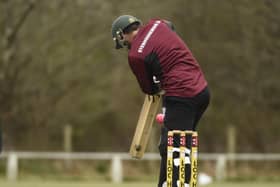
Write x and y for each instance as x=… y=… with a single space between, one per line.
x=144 y=126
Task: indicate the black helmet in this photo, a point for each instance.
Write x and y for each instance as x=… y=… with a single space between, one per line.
x=119 y=25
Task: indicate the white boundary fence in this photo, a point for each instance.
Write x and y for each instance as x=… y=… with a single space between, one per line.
x=116 y=160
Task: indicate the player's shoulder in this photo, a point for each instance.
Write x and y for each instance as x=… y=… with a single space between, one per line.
x=161 y=22
x=155 y=21
x=143 y=38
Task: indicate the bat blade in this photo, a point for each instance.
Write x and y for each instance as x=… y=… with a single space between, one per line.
x=144 y=126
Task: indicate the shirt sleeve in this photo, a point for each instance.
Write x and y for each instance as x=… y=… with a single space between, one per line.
x=143 y=76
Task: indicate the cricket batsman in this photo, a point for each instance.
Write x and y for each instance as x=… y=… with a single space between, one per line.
x=161 y=61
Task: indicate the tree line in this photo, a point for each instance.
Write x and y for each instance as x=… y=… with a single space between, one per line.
x=58 y=66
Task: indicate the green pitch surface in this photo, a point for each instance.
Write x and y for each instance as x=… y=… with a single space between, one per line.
x=92 y=184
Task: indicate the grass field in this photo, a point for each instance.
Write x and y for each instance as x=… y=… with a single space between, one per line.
x=92 y=184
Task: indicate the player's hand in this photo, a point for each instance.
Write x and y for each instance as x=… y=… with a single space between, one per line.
x=161 y=92
x=154 y=97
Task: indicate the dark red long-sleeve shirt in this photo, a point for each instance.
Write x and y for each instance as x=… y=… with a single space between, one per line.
x=158 y=51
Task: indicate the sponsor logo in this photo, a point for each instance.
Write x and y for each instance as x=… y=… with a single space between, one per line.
x=194 y=184
x=182 y=171
x=148 y=36
x=169 y=173
x=169 y=169
x=194 y=173
x=131 y=20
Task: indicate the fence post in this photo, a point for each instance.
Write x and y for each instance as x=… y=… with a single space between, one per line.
x=12 y=167
x=67 y=133
x=221 y=167
x=67 y=143
x=117 y=170
x=231 y=149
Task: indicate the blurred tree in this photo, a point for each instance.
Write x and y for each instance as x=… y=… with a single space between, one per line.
x=11 y=63
x=58 y=66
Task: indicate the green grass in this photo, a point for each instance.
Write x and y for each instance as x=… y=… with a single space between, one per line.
x=93 y=184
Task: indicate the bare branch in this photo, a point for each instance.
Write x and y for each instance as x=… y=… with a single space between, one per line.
x=12 y=35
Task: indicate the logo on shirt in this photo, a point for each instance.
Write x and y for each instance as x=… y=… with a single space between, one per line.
x=148 y=36
x=131 y=20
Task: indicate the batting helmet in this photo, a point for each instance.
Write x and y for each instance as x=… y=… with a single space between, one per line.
x=118 y=27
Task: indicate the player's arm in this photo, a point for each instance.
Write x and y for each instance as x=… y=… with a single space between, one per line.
x=147 y=73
